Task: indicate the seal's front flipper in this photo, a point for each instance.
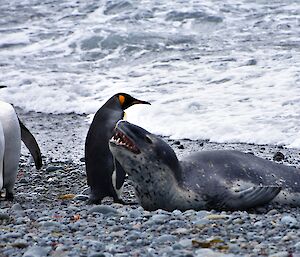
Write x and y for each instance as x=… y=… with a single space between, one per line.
x=250 y=198
x=30 y=142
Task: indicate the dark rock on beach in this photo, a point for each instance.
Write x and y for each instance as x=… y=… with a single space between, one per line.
x=278 y=156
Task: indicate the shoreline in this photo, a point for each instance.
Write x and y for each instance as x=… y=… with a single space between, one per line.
x=45 y=219
x=47 y=128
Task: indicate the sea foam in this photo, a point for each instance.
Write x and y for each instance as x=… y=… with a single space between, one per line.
x=222 y=71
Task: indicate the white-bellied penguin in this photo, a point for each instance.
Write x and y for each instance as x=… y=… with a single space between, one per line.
x=105 y=176
x=12 y=131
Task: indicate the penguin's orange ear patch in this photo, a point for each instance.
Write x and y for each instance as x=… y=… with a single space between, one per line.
x=121 y=99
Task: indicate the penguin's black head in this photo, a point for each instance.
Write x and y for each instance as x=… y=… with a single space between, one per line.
x=126 y=100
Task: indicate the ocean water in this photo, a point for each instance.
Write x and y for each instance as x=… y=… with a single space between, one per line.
x=227 y=71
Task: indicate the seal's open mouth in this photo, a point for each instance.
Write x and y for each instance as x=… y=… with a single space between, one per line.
x=121 y=139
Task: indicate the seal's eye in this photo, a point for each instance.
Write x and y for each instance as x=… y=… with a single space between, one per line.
x=148 y=139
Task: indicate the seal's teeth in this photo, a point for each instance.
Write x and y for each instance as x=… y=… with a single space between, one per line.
x=122 y=140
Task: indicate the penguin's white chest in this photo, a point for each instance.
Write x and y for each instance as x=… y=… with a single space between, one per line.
x=2 y=148
x=12 y=144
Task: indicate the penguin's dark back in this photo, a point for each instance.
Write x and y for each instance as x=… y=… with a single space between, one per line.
x=97 y=154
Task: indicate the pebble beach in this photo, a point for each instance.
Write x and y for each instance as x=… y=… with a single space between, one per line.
x=50 y=217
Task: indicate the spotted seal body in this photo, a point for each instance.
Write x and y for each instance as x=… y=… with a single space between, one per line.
x=222 y=180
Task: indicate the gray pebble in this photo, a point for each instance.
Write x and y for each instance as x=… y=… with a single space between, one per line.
x=21 y=220
x=297 y=246
x=60 y=248
x=165 y=238
x=86 y=191
x=20 y=243
x=160 y=218
x=37 y=251
x=185 y=242
x=202 y=214
x=272 y=212
x=17 y=207
x=258 y=223
x=13 y=235
x=49 y=224
x=280 y=254
x=289 y=221
x=177 y=246
x=81 y=197
x=4 y=216
x=133 y=235
x=251 y=62
x=201 y=222
x=23 y=181
x=135 y=213
x=104 y=209
x=54 y=168
x=177 y=223
x=99 y=255
x=278 y=156
x=206 y=252
x=44 y=218
x=121 y=255
x=177 y=212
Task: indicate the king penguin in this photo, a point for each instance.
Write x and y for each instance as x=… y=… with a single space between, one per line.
x=12 y=131
x=105 y=176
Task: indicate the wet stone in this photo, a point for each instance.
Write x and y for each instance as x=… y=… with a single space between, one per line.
x=280 y=254
x=99 y=255
x=20 y=243
x=185 y=242
x=160 y=218
x=23 y=181
x=13 y=235
x=104 y=209
x=17 y=207
x=289 y=221
x=4 y=216
x=54 y=168
x=251 y=62
x=297 y=246
x=81 y=197
x=273 y=212
x=165 y=238
x=177 y=212
x=135 y=213
x=278 y=156
x=36 y=251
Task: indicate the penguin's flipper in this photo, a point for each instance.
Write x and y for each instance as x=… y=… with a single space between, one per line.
x=30 y=142
x=250 y=197
x=120 y=175
x=118 y=179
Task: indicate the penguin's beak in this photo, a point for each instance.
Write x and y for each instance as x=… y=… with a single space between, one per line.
x=140 y=102
x=2 y=86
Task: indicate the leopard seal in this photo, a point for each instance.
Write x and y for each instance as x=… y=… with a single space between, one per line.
x=219 y=179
